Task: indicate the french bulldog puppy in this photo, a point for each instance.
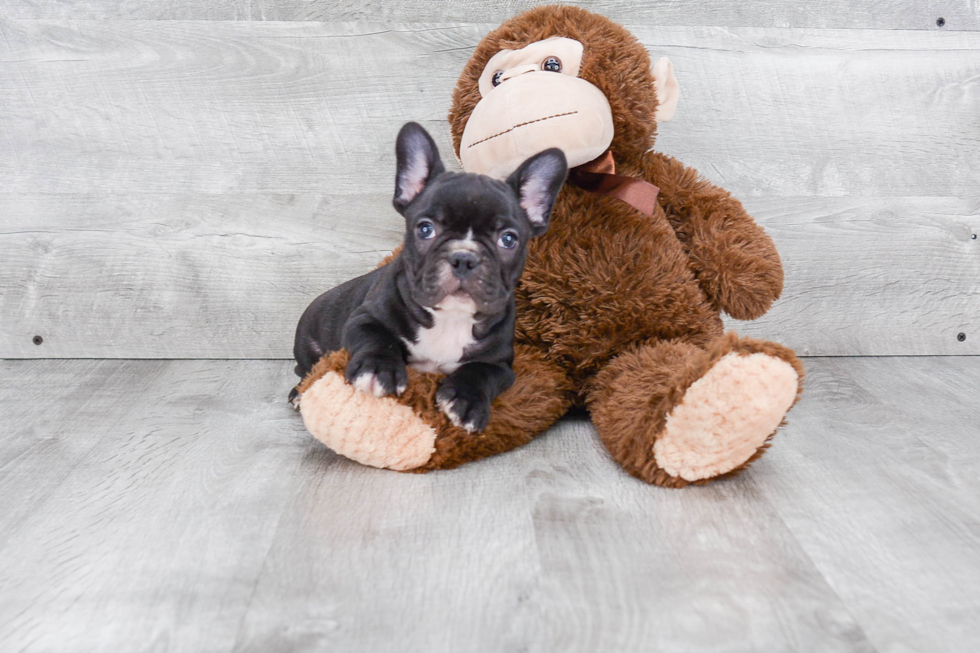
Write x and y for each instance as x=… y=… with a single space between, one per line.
x=446 y=302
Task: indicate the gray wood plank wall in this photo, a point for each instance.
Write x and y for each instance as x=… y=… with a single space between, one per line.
x=182 y=188
x=848 y=14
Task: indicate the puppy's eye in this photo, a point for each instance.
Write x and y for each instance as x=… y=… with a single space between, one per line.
x=425 y=230
x=495 y=80
x=552 y=65
x=507 y=240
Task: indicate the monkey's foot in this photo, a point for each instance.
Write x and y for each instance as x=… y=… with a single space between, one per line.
x=726 y=416
x=673 y=413
x=374 y=431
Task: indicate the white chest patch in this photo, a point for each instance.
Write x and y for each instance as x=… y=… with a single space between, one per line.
x=440 y=348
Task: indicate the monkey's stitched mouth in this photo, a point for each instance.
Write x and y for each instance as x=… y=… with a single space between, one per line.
x=523 y=124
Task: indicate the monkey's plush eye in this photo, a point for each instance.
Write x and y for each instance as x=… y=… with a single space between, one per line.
x=425 y=230
x=552 y=65
x=508 y=240
x=495 y=80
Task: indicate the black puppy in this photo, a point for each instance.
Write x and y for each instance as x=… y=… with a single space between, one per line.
x=446 y=303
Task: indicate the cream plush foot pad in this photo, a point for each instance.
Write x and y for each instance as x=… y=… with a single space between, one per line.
x=372 y=431
x=726 y=415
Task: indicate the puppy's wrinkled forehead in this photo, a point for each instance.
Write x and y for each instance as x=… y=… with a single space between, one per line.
x=468 y=201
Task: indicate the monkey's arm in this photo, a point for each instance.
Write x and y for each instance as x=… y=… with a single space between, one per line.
x=736 y=262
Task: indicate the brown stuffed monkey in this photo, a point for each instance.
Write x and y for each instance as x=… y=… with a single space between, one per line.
x=619 y=306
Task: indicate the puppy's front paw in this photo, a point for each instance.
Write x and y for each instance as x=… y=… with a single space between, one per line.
x=377 y=376
x=464 y=406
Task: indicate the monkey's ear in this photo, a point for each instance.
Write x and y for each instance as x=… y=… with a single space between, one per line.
x=537 y=183
x=668 y=90
x=418 y=163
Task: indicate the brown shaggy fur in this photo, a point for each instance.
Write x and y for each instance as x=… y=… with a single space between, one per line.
x=616 y=310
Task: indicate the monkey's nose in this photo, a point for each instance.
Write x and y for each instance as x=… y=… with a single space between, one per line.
x=463 y=263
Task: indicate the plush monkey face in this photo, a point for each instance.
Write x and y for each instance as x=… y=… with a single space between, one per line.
x=533 y=99
x=558 y=77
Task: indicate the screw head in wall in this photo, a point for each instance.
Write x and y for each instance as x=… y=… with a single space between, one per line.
x=961 y=336
x=37 y=340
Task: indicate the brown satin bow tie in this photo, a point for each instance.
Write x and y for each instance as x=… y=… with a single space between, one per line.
x=599 y=176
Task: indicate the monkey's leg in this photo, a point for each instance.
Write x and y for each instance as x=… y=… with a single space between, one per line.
x=411 y=433
x=671 y=413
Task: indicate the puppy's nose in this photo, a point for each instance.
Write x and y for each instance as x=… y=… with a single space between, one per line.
x=463 y=263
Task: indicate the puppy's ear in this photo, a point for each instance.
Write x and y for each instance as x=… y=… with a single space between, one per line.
x=418 y=162
x=537 y=184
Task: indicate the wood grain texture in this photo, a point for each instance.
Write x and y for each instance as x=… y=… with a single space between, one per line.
x=188 y=106
x=206 y=276
x=370 y=560
x=227 y=276
x=139 y=500
x=179 y=505
x=626 y=567
x=883 y=494
x=873 y=277
x=876 y=14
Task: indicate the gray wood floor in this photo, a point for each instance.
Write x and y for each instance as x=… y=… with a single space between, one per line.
x=180 y=506
x=179 y=178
